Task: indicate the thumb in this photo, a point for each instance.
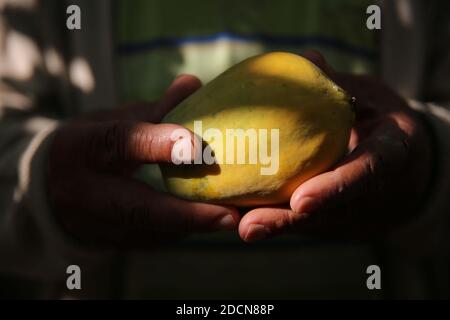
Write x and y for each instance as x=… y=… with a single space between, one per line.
x=119 y=142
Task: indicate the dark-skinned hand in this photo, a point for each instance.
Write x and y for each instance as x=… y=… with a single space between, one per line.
x=376 y=187
x=90 y=185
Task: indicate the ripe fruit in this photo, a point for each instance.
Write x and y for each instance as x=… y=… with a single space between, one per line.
x=276 y=90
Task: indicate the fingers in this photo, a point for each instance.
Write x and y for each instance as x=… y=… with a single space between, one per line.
x=163 y=213
x=181 y=88
x=364 y=171
x=323 y=202
x=262 y=223
x=135 y=215
x=111 y=144
x=115 y=142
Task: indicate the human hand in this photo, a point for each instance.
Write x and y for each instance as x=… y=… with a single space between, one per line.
x=91 y=188
x=374 y=188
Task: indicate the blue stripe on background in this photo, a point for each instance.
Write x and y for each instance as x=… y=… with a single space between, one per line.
x=125 y=49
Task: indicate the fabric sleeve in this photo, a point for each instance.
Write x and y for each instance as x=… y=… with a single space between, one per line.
x=428 y=234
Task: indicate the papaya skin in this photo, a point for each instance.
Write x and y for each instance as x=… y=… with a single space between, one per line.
x=276 y=90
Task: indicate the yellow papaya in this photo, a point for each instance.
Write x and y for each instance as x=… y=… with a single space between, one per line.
x=305 y=116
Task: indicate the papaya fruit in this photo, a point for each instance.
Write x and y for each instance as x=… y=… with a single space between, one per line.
x=307 y=119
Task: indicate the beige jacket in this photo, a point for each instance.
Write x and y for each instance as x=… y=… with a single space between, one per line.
x=41 y=86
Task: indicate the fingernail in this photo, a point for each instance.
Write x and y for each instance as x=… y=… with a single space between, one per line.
x=226 y=223
x=256 y=232
x=305 y=205
x=183 y=147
